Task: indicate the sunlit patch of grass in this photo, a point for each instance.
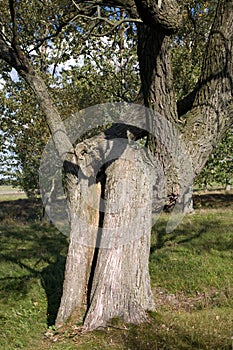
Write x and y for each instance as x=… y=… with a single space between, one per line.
x=197 y=256
x=9 y=193
x=206 y=329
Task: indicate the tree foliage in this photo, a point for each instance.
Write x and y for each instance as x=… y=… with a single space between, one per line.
x=189 y=45
x=80 y=70
x=84 y=65
x=219 y=168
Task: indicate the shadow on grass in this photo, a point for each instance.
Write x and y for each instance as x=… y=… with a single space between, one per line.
x=29 y=252
x=24 y=210
x=163 y=336
x=213 y=200
x=205 y=234
x=188 y=233
x=52 y=280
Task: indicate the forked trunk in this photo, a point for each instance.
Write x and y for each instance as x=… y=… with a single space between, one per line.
x=112 y=278
x=115 y=281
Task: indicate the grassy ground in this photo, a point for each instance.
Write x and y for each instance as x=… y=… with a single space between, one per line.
x=191 y=272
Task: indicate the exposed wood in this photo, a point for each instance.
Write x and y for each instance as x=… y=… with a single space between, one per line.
x=84 y=221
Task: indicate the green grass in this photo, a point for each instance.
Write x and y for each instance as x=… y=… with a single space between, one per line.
x=197 y=256
x=191 y=273
x=32 y=263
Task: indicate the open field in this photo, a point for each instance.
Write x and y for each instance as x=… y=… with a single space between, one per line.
x=191 y=273
x=10 y=193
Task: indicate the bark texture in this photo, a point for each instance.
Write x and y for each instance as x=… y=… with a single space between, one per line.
x=107 y=268
x=121 y=284
x=162 y=15
x=208 y=108
x=107 y=263
x=159 y=97
x=211 y=114
x=84 y=221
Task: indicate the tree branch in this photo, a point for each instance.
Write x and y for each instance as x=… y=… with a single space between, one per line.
x=9 y=56
x=86 y=12
x=164 y=14
x=122 y=4
x=24 y=64
x=54 y=35
x=211 y=114
x=108 y=21
x=113 y=24
x=14 y=23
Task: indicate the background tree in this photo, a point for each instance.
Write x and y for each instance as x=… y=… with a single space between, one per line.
x=218 y=170
x=189 y=44
x=98 y=70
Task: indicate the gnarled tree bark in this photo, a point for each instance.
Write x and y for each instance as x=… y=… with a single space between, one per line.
x=107 y=265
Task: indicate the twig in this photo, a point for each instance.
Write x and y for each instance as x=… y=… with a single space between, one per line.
x=51 y=36
x=114 y=25
x=115 y=327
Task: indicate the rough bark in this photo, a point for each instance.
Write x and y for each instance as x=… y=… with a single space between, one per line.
x=159 y=97
x=84 y=221
x=123 y=237
x=211 y=114
x=208 y=107
x=156 y=71
x=16 y=58
x=162 y=15
x=114 y=281
x=121 y=284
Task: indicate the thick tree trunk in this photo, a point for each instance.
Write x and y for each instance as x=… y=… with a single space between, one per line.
x=210 y=111
x=121 y=284
x=159 y=97
x=156 y=72
x=107 y=273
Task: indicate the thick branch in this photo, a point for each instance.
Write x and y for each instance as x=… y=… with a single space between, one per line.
x=37 y=84
x=9 y=56
x=211 y=114
x=164 y=14
x=14 y=24
x=15 y=40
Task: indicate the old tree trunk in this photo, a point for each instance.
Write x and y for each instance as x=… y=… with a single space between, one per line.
x=118 y=283
x=107 y=272
x=107 y=263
